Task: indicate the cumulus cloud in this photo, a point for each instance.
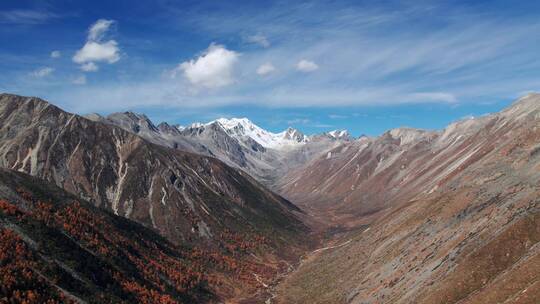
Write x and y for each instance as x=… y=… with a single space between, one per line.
x=42 y=72
x=212 y=69
x=81 y=80
x=89 y=67
x=265 y=69
x=95 y=49
x=56 y=54
x=258 y=39
x=306 y=66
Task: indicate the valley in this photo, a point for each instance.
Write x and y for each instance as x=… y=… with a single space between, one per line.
x=459 y=223
x=269 y=152
x=411 y=216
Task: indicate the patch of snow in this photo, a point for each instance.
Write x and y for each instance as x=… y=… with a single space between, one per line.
x=243 y=127
x=196 y=125
x=339 y=134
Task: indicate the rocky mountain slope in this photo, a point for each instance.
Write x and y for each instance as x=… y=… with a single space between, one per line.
x=449 y=217
x=415 y=216
x=58 y=247
x=237 y=141
x=365 y=176
x=189 y=199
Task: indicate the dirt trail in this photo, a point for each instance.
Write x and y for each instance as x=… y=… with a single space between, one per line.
x=331 y=247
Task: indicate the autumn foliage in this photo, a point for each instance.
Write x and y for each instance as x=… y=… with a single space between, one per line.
x=164 y=275
x=145 y=270
x=19 y=280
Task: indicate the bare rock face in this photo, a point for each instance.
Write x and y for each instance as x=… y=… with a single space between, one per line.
x=183 y=196
x=457 y=215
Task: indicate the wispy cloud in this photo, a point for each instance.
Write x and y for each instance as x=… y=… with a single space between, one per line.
x=80 y=80
x=98 y=29
x=26 y=17
x=322 y=125
x=42 y=72
x=265 y=69
x=56 y=54
x=434 y=96
x=394 y=53
x=298 y=121
x=306 y=66
x=258 y=39
x=337 y=116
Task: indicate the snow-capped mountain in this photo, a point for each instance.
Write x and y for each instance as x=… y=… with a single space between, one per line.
x=240 y=127
x=236 y=141
x=201 y=208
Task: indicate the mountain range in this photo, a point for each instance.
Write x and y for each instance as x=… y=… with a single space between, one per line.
x=243 y=215
x=188 y=198
x=448 y=216
x=237 y=141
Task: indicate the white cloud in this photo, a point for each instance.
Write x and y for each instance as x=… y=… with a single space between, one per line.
x=265 y=69
x=96 y=50
x=306 y=66
x=56 y=54
x=89 y=67
x=365 y=62
x=258 y=39
x=98 y=29
x=212 y=69
x=42 y=72
x=79 y=80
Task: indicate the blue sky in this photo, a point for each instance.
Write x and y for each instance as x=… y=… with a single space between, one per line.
x=366 y=66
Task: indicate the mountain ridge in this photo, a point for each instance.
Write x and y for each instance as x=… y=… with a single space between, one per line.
x=237 y=141
x=452 y=217
x=190 y=199
x=414 y=216
x=398 y=157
